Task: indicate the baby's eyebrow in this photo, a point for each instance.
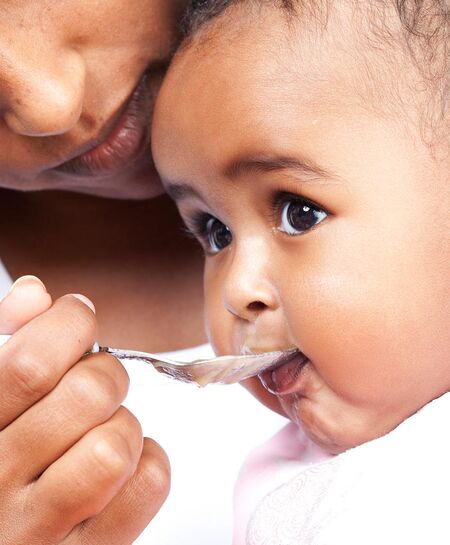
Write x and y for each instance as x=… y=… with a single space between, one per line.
x=245 y=165
x=178 y=191
x=308 y=171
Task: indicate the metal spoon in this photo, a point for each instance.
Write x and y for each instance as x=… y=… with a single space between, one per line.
x=219 y=370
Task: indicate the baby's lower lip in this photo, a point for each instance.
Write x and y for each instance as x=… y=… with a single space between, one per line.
x=282 y=380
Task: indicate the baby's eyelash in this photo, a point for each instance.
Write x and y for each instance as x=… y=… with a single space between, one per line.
x=188 y=233
x=282 y=197
x=195 y=225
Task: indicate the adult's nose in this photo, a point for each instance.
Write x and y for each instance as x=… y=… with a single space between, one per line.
x=248 y=289
x=41 y=94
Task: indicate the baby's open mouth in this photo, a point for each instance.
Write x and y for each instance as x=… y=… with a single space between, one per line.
x=281 y=379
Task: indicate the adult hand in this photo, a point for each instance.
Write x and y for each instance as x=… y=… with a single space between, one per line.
x=74 y=467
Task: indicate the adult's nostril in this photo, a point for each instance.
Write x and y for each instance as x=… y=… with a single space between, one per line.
x=256 y=306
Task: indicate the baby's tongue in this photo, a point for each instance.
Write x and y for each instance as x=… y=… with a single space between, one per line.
x=282 y=380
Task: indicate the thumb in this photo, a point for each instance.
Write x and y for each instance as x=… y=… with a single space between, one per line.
x=26 y=299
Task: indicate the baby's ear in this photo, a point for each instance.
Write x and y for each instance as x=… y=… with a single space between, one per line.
x=27 y=299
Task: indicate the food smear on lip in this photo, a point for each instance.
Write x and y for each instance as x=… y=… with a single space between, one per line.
x=226 y=369
x=234 y=369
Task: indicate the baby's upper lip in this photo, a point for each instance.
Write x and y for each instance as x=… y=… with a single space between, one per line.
x=248 y=350
x=286 y=354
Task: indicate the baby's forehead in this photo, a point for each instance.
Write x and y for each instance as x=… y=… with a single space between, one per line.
x=258 y=89
x=261 y=69
x=226 y=88
x=265 y=56
x=387 y=54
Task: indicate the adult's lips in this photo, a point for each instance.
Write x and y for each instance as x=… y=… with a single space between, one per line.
x=125 y=142
x=284 y=378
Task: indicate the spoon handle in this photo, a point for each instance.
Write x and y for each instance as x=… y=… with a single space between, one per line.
x=117 y=352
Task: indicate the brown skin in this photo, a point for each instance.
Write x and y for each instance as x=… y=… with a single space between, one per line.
x=63 y=92
x=48 y=114
x=364 y=293
x=130 y=257
x=67 y=70
x=92 y=478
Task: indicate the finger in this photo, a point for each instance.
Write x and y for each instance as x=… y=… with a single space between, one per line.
x=87 y=396
x=33 y=361
x=27 y=299
x=130 y=512
x=85 y=479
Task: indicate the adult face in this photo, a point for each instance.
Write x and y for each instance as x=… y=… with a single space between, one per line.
x=77 y=86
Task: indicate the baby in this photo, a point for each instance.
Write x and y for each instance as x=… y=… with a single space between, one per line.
x=307 y=146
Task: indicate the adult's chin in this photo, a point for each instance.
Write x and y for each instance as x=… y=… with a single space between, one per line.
x=137 y=181
x=134 y=190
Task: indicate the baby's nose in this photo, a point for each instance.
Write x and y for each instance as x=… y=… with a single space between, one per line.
x=41 y=95
x=248 y=289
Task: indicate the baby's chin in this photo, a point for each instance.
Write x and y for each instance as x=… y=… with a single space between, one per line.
x=333 y=433
x=331 y=423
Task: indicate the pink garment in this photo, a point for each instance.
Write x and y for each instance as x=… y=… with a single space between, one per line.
x=275 y=462
x=394 y=490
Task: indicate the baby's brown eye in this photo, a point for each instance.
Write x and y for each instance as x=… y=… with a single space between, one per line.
x=297 y=216
x=218 y=235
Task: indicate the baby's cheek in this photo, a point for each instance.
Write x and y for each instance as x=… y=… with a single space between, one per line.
x=218 y=321
x=254 y=386
x=217 y=326
x=343 y=327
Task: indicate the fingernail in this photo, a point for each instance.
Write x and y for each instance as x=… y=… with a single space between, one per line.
x=84 y=300
x=27 y=280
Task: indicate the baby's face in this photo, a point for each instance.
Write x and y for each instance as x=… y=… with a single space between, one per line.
x=325 y=228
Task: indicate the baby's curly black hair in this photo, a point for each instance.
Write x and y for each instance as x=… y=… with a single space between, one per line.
x=419 y=17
